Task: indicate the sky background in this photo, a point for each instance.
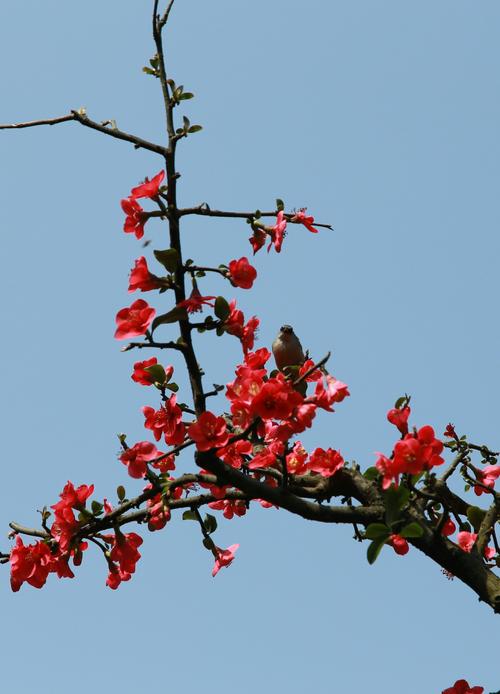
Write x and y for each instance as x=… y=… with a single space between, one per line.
x=381 y=117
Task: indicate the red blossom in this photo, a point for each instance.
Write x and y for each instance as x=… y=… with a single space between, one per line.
x=234 y=453
x=29 y=563
x=275 y=400
x=137 y=458
x=466 y=542
x=448 y=528
x=278 y=232
x=462 y=687
x=134 y=320
x=159 y=513
x=167 y=421
x=136 y=217
x=418 y=452
x=327 y=463
x=398 y=543
x=258 y=239
x=234 y=325
x=306 y=220
x=196 y=301
x=450 y=432
x=209 y=431
x=256 y=360
x=389 y=469
x=141 y=278
x=143 y=376
x=241 y=273
x=335 y=391
x=229 y=507
x=224 y=558
x=487 y=477
x=399 y=417
x=296 y=460
x=150 y=188
x=125 y=552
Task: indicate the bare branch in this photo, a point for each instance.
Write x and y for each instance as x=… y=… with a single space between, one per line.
x=205 y=211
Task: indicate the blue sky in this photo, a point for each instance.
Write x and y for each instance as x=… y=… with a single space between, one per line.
x=383 y=119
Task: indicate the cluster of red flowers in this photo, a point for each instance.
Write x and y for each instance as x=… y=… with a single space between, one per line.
x=135 y=215
x=416 y=452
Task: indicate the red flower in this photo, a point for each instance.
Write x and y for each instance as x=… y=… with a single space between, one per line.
x=148 y=189
x=137 y=458
x=399 y=417
x=487 y=476
x=229 y=507
x=29 y=563
x=466 y=542
x=241 y=273
x=167 y=421
x=304 y=219
x=327 y=463
x=135 y=219
x=234 y=325
x=209 y=431
x=224 y=558
x=450 y=432
x=65 y=524
x=462 y=687
x=196 y=301
x=125 y=551
x=142 y=376
x=275 y=400
x=389 y=469
x=296 y=460
x=398 y=543
x=258 y=239
x=256 y=360
x=233 y=454
x=448 y=528
x=278 y=232
x=418 y=452
x=141 y=278
x=134 y=320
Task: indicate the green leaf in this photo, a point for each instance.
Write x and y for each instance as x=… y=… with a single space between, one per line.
x=376 y=531
x=395 y=499
x=208 y=543
x=475 y=515
x=173 y=387
x=374 y=549
x=412 y=530
x=400 y=402
x=120 y=492
x=189 y=515
x=195 y=129
x=185 y=95
x=210 y=523
x=186 y=122
x=176 y=314
x=221 y=308
x=84 y=515
x=280 y=205
x=371 y=473
x=149 y=71
x=157 y=373
x=169 y=258
x=96 y=508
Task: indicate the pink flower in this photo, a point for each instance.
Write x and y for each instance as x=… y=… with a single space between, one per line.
x=398 y=543
x=141 y=278
x=241 y=273
x=466 y=542
x=278 y=232
x=135 y=219
x=448 y=528
x=148 y=189
x=389 y=469
x=134 y=320
x=304 y=219
x=224 y=558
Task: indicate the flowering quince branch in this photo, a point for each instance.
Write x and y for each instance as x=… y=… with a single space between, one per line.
x=251 y=454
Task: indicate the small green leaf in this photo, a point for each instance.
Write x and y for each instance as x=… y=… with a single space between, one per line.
x=157 y=373
x=400 y=402
x=84 y=515
x=280 y=205
x=208 y=543
x=173 y=387
x=169 y=258
x=395 y=499
x=221 y=308
x=195 y=129
x=475 y=515
x=374 y=549
x=412 y=530
x=149 y=71
x=186 y=95
x=96 y=508
x=176 y=314
x=376 y=531
x=120 y=492
x=210 y=523
x=186 y=122
x=371 y=473
x=189 y=515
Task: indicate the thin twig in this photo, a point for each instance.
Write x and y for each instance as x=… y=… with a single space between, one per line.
x=205 y=211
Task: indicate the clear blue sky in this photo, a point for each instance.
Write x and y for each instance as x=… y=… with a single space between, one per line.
x=381 y=117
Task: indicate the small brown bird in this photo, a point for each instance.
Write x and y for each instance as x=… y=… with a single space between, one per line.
x=287 y=349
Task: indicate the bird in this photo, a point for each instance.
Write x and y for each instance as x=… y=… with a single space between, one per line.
x=287 y=349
